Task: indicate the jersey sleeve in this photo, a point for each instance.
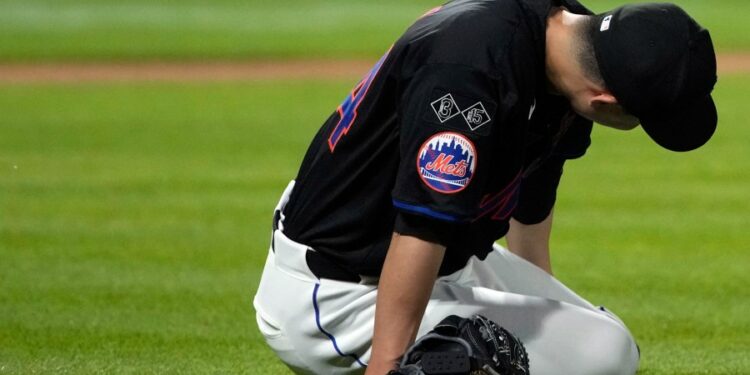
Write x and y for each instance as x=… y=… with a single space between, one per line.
x=539 y=188
x=539 y=192
x=447 y=117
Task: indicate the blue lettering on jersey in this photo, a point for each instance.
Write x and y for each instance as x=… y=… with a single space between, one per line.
x=348 y=109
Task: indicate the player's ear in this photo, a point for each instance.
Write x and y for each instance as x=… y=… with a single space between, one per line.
x=611 y=113
x=602 y=98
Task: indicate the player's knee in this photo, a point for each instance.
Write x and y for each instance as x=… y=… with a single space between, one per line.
x=612 y=352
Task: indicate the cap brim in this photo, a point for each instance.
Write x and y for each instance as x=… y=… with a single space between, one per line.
x=683 y=128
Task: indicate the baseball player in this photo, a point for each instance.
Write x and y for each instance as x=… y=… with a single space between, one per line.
x=455 y=138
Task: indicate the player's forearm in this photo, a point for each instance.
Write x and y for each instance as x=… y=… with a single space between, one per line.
x=531 y=242
x=406 y=281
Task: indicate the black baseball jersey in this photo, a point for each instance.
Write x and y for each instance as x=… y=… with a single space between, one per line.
x=450 y=134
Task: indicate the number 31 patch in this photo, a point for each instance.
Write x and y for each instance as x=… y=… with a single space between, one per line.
x=446 y=162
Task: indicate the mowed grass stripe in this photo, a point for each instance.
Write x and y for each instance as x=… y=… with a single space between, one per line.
x=102 y=30
x=134 y=223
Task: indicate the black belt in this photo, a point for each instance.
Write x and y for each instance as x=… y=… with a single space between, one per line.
x=320 y=265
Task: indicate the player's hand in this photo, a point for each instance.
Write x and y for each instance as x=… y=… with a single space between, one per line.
x=380 y=367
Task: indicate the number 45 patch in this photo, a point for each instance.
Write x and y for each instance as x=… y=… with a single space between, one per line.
x=476 y=116
x=457 y=112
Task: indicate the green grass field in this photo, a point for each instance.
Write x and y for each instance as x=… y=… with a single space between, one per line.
x=135 y=217
x=135 y=222
x=41 y=30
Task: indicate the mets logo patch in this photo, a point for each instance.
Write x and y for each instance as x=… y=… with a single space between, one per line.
x=446 y=162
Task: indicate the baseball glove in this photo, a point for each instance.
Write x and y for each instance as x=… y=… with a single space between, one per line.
x=460 y=346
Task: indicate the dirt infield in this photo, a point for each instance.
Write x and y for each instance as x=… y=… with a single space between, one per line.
x=228 y=71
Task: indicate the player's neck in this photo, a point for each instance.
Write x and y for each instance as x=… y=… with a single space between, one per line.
x=562 y=70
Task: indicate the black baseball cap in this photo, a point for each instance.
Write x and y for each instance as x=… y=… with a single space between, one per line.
x=661 y=66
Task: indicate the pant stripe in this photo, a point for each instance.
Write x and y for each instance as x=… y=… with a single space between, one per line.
x=330 y=336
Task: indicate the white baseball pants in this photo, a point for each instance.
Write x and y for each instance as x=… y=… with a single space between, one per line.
x=322 y=326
